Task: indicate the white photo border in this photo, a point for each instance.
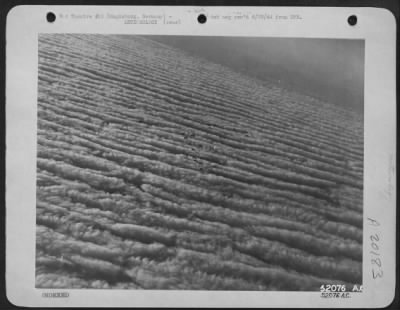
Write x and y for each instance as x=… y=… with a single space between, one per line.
x=376 y=26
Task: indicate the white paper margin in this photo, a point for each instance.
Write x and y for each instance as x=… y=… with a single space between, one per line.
x=376 y=26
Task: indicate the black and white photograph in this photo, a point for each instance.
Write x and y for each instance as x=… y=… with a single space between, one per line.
x=223 y=163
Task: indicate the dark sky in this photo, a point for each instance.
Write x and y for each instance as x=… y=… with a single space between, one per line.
x=330 y=69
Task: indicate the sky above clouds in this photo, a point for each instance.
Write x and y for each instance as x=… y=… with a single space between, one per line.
x=329 y=69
